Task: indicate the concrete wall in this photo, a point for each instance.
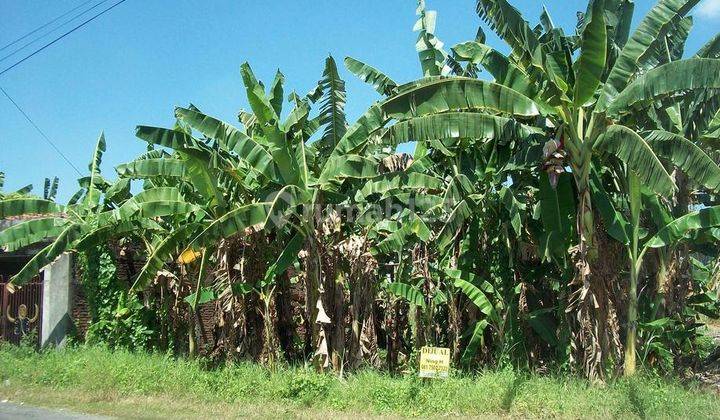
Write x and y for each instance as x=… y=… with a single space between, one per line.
x=57 y=302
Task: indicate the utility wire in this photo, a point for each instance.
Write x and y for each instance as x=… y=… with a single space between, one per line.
x=50 y=142
x=44 y=26
x=62 y=36
x=43 y=35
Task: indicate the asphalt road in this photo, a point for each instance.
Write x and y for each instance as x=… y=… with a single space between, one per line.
x=13 y=411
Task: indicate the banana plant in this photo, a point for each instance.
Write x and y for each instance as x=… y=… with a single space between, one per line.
x=578 y=98
x=97 y=212
x=674 y=232
x=464 y=137
x=615 y=73
x=270 y=160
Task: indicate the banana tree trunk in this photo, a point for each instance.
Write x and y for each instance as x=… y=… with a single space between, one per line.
x=195 y=332
x=285 y=324
x=593 y=321
x=312 y=284
x=631 y=337
x=454 y=327
x=361 y=313
x=338 y=322
x=192 y=341
x=270 y=338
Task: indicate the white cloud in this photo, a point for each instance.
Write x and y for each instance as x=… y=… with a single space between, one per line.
x=709 y=9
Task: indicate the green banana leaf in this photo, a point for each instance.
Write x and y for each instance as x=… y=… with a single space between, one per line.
x=643 y=41
x=21 y=206
x=92 y=197
x=30 y=232
x=590 y=66
x=408 y=292
x=63 y=243
x=463 y=125
x=685 y=155
x=637 y=154
x=684 y=75
x=149 y=168
x=676 y=230
x=370 y=75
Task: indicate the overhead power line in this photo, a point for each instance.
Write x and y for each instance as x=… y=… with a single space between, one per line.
x=62 y=36
x=43 y=35
x=47 y=139
x=45 y=25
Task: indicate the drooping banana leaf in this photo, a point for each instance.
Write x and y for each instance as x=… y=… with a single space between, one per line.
x=632 y=149
x=22 y=206
x=247 y=216
x=684 y=154
x=100 y=235
x=30 y=232
x=202 y=176
x=676 y=230
x=465 y=125
x=683 y=75
x=161 y=254
x=451 y=227
x=118 y=191
x=368 y=74
x=435 y=96
x=152 y=203
x=479 y=298
x=398 y=181
x=711 y=49
x=288 y=255
x=477 y=339
x=348 y=166
x=63 y=243
x=282 y=203
x=557 y=209
x=408 y=292
x=149 y=168
x=514 y=208
x=173 y=139
x=458 y=94
x=411 y=228
x=659 y=213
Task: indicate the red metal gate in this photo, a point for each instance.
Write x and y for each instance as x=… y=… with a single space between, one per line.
x=21 y=311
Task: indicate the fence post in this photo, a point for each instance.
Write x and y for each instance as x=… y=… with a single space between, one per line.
x=56 y=302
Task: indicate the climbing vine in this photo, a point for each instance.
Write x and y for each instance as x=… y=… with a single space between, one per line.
x=118 y=319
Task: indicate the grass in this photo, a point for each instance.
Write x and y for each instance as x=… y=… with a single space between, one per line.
x=96 y=380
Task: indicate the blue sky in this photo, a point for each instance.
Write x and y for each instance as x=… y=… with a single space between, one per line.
x=134 y=64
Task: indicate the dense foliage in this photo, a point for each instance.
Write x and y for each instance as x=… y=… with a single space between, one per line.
x=560 y=207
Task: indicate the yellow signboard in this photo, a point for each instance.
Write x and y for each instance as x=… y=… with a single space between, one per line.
x=434 y=362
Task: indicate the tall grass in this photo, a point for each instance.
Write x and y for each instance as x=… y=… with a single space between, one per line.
x=505 y=392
